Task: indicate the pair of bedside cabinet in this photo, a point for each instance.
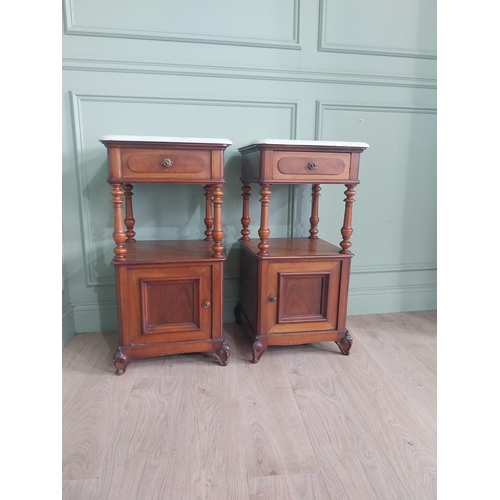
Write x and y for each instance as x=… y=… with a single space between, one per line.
x=170 y=292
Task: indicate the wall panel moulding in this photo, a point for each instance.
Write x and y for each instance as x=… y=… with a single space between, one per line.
x=174 y=21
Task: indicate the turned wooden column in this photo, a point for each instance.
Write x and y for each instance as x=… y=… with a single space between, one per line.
x=346 y=230
x=118 y=234
x=129 y=214
x=245 y=218
x=209 y=219
x=314 y=220
x=264 y=231
x=217 y=232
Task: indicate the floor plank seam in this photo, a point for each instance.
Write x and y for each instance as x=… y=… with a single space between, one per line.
x=84 y=378
x=367 y=423
x=395 y=386
x=320 y=470
x=110 y=441
x=375 y=440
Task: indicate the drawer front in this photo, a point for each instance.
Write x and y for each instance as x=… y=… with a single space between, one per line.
x=304 y=166
x=167 y=164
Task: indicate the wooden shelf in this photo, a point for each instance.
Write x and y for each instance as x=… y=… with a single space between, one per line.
x=294 y=247
x=165 y=251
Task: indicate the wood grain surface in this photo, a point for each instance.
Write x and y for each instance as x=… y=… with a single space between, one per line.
x=298 y=487
x=276 y=440
x=304 y=423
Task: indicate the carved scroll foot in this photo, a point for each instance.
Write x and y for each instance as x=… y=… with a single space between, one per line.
x=221 y=354
x=121 y=361
x=257 y=350
x=237 y=315
x=345 y=344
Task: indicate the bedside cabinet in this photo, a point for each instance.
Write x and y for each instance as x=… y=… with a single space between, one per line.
x=169 y=292
x=294 y=290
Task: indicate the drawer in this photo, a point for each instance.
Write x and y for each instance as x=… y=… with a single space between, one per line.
x=167 y=164
x=315 y=167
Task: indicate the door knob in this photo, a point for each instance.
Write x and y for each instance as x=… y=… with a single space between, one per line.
x=273 y=298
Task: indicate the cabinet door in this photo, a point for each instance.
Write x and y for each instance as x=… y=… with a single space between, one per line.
x=302 y=297
x=168 y=304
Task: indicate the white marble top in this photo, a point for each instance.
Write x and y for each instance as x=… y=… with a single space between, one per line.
x=154 y=138
x=298 y=142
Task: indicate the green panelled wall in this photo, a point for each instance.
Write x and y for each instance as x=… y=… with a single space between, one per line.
x=354 y=70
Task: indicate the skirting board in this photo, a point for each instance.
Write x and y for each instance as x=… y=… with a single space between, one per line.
x=86 y=318
x=68 y=325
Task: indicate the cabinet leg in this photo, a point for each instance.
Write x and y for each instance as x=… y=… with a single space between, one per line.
x=237 y=315
x=345 y=344
x=121 y=361
x=221 y=354
x=258 y=349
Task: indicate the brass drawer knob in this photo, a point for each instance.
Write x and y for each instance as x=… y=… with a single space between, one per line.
x=167 y=162
x=312 y=165
x=206 y=305
x=273 y=298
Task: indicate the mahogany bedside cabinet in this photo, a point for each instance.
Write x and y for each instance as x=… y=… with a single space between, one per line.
x=169 y=292
x=294 y=290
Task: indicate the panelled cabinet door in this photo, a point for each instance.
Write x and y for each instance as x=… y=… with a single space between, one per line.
x=174 y=304
x=301 y=297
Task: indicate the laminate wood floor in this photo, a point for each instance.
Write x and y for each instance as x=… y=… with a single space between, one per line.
x=304 y=423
